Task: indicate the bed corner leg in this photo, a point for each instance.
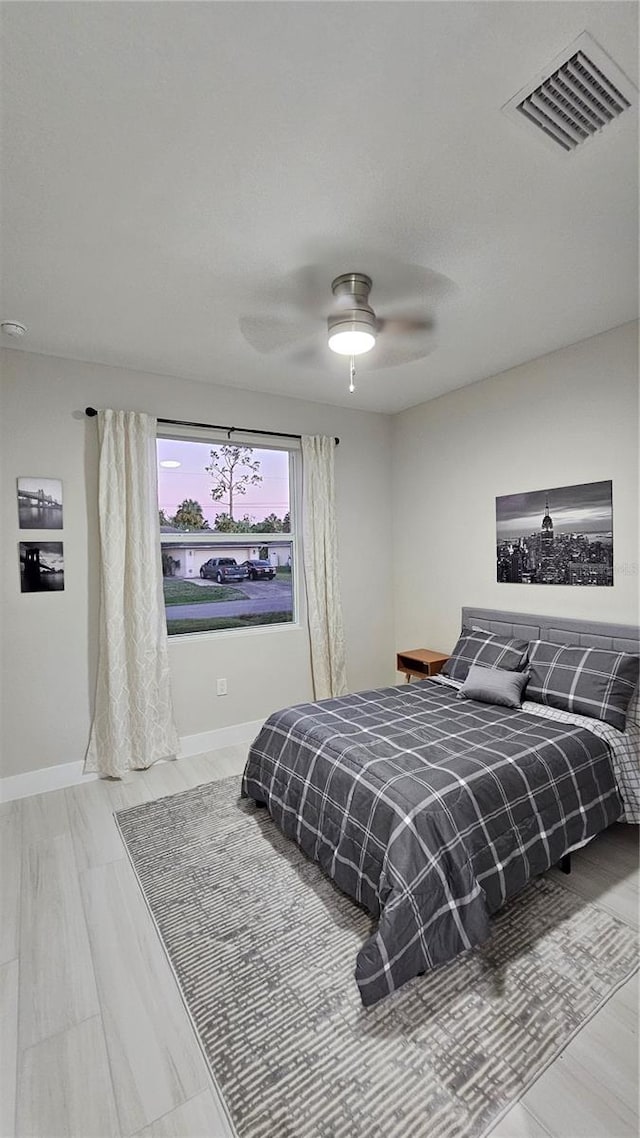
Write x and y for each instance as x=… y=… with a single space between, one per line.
x=565 y=863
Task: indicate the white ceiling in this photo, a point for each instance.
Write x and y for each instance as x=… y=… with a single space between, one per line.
x=166 y=162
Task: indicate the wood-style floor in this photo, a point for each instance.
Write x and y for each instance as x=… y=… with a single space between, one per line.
x=96 y=1041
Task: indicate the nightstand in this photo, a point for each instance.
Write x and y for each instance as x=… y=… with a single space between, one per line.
x=420 y=662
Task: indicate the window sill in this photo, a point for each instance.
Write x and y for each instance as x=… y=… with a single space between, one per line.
x=226 y=633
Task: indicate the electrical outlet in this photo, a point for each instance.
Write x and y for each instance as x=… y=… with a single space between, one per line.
x=221 y=687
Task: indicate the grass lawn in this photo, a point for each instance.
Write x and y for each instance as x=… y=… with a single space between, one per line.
x=215 y=624
x=179 y=592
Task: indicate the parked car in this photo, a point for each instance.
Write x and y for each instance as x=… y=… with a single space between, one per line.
x=222 y=569
x=259 y=570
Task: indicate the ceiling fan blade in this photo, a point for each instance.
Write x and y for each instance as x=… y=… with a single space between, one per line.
x=317 y=355
x=307 y=289
x=393 y=352
x=405 y=325
x=394 y=281
x=310 y=356
x=270 y=333
x=292 y=311
x=388 y=352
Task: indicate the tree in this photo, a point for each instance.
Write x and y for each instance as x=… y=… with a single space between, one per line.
x=225 y=524
x=164 y=520
x=169 y=564
x=271 y=524
x=233 y=469
x=189 y=516
x=286 y=523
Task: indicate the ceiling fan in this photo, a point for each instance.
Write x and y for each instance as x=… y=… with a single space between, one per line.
x=312 y=314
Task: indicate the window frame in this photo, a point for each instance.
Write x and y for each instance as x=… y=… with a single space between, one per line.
x=211 y=540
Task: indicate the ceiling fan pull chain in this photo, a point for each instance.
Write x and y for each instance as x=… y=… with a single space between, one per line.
x=352 y=374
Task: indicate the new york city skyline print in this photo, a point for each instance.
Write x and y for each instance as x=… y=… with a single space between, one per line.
x=558 y=536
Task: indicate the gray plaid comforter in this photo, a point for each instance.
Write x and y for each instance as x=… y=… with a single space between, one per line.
x=428 y=810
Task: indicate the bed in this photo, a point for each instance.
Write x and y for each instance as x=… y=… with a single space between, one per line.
x=432 y=810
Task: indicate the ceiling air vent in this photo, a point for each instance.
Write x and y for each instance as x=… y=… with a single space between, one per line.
x=581 y=92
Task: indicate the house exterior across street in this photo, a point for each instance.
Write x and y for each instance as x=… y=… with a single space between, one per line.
x=183 y=554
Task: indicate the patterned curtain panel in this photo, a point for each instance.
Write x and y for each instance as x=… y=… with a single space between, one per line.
x=328 y=666
x=133 y=721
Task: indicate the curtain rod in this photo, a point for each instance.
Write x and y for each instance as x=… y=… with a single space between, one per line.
x=91 y=413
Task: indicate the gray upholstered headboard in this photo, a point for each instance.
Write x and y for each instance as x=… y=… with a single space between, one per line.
x=559 y=630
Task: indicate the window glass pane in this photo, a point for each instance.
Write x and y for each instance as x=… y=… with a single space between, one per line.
x=228 y=550
x=225 y=487
x=213 y=587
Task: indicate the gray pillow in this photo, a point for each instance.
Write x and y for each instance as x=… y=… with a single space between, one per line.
x=596 y=682
x=485 y=648
x=494 y=685
x=633 y=710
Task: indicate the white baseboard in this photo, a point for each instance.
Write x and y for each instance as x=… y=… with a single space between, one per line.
x=221 y=737
x=72 y=774
x=38 y=782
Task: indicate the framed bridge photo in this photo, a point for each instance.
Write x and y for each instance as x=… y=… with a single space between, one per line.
x=39 y=503
x=41 y=566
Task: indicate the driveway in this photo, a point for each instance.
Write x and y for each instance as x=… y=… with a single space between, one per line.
x=263 y=596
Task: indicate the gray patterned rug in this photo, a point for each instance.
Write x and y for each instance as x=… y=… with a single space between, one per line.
x=264 y=949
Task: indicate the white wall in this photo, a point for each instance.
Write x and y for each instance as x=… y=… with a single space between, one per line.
x=564 y=419
x=49 y=640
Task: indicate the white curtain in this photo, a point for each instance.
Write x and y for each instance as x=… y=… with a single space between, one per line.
x=328 y=666
x=133 y=720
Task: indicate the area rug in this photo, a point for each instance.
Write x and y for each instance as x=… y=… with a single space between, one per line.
x=264 y=950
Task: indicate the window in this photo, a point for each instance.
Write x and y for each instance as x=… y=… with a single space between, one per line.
x=227 y=534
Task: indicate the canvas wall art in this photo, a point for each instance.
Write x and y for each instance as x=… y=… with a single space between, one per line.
x=41 y=566
x=40 y=503
x=561 y=536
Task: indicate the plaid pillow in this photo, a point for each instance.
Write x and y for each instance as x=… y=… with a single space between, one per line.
x=586 y=681
x=475 y=647
x=633 y=710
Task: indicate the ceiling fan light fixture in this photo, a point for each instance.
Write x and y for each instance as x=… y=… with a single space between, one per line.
x=351 y=338
x=352 y=329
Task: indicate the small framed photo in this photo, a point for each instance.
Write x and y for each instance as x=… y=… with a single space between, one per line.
x=41 y=566
x=40 y=503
